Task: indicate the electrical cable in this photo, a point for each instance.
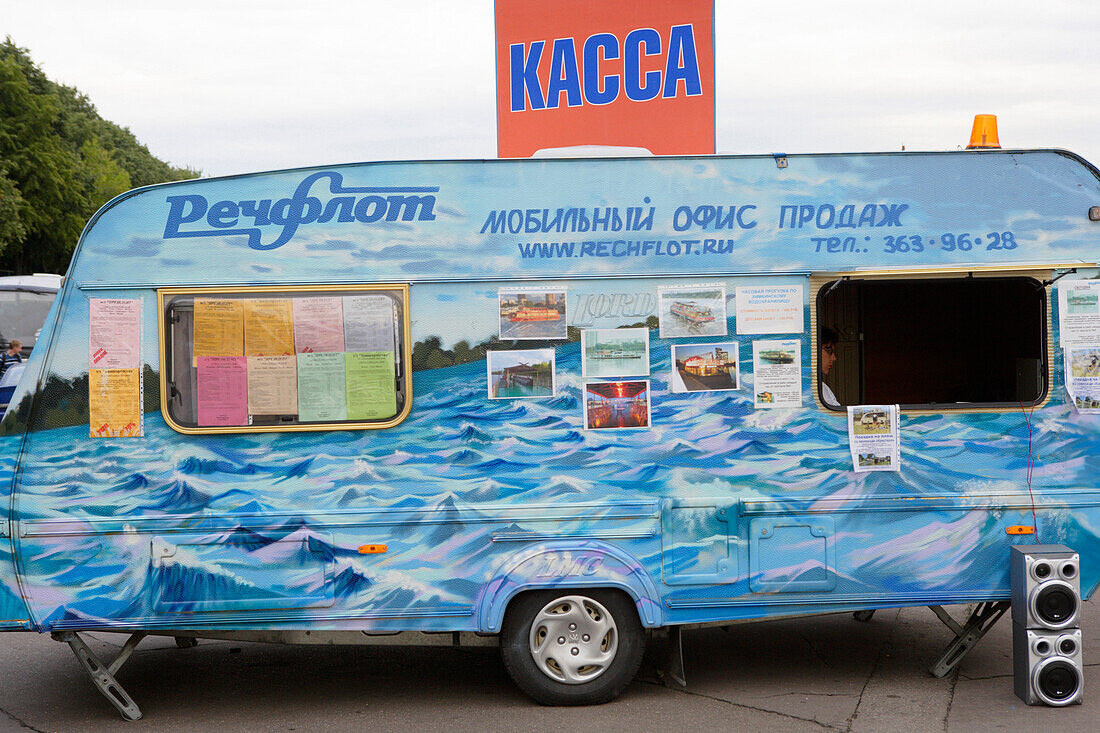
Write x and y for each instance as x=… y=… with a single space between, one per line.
x=1030 y=466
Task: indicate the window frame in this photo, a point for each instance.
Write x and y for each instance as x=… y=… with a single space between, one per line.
x=165 y=294
x=820 y=282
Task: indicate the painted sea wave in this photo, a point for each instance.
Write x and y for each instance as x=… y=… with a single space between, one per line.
x=266 y=526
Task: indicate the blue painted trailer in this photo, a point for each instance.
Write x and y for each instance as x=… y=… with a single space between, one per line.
x=420 y=502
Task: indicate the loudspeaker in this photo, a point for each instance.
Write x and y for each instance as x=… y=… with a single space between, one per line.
x=1046 y=641
x=1047 y=666
x=1046 y=586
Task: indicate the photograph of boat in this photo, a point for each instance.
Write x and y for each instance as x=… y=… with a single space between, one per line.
x=616 y=405
x=532 y=314
x=615 y=352
x=1082 y=303
x=691 y=311
x=705 y=367
x=777 y=356
x=520 y=374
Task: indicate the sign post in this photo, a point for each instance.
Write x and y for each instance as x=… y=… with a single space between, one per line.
x=637 y=73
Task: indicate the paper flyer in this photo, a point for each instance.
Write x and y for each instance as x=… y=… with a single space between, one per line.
x=321 y=391
x=371 y=392
x=219 y=328
x=114 y=403
x=318 y=325
x=268 y=327
x=691 y=310
x=114 y=333
x=777 y=373
x=769 y=309
x=1083 y=376
x=272 y=385
x=1078 y=311
x=368 y=323
x=222 y=385
x=874 y=437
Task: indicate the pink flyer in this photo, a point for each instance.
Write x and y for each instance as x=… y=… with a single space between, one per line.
x=318 y=325
x=222 y=390
x=114 y=333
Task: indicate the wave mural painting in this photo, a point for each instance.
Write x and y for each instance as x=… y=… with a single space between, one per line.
x=341 y=429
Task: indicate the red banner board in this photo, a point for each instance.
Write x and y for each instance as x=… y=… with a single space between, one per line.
x=636 y=73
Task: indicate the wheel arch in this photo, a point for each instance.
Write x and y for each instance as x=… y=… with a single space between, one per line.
x=565 y=565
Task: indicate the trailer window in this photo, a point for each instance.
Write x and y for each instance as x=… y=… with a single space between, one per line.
x=262 y=359
x=932 y=343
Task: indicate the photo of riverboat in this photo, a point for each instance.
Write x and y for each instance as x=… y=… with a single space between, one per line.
x=777 y=356
x=616 y=405
x=532 y=315
x=696 y=311
x=520 y=374
x=1082 y=303
x=615 y=352
x=705 y=367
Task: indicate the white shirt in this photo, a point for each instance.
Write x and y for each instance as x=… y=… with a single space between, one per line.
x=828 y=397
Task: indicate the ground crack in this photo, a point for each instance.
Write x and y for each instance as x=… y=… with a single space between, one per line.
x=874 y=668
x=21 y=722
x=818 y=723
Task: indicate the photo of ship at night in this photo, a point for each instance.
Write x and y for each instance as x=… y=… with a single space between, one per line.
x=691 y=312
x=616 y=405
x=615 y=352
x=520 y=374
x=532 y=314
x=705 y=367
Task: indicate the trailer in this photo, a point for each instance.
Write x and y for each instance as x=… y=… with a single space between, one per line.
x=261 y=405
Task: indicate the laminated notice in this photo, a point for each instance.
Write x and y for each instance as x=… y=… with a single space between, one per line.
x=114 y=333
x=268 y=327
x=368 y=323
x=873 y=437
x=318 y=325
x=219 y=328
x=1078 y=311
x=371 y=392
x=272 y=385
x=769 y=309
x=321 y=394
x=222 y=391
x=114 y=403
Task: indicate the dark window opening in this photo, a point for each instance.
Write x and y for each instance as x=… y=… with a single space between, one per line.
x=962 y=342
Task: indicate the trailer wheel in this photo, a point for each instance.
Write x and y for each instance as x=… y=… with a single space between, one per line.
x=572 y=647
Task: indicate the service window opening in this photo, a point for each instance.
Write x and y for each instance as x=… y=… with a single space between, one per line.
x=932 y=343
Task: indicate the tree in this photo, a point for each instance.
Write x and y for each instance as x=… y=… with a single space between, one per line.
x=61 y=162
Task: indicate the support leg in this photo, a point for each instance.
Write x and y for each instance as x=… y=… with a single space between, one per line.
x=981 y=620
x=674 y=661
x=103 y=675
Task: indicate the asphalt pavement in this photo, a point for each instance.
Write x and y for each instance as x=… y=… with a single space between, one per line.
x=812 y=674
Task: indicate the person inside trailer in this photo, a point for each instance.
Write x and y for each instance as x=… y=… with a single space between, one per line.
x=827 y=360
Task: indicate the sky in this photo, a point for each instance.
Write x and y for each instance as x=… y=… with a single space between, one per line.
x=234 y=86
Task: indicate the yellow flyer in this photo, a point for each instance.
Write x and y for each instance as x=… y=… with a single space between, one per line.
x=219 y=328
x=268 y=327
x=114 y=403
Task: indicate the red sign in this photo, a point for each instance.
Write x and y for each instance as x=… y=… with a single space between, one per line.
x=636 y=73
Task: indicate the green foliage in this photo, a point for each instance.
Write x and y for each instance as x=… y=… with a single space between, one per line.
x=61 y=161
x=430 y=354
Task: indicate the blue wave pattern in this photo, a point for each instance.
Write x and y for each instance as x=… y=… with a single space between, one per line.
x=263 y=529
